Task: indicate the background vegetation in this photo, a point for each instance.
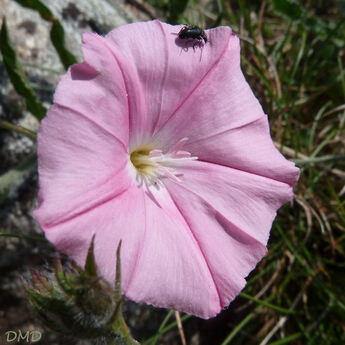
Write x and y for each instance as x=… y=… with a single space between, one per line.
x=293 y=58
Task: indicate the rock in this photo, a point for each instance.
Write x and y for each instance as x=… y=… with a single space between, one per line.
x=30 y=37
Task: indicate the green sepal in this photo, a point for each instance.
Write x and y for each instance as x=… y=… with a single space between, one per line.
x=79 y=303
x=69 y=320
x=90 y=264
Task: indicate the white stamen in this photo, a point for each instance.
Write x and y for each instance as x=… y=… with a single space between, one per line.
x=154 y=165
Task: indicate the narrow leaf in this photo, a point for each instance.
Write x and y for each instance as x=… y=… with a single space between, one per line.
x=24 y=237
x=57 y=33
x=18 y=129
x=57 y=36
x=17 y=76
x=37 y=5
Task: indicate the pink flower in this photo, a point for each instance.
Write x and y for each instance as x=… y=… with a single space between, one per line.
x=167 y=149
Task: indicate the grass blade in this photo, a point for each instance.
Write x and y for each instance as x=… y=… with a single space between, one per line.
x=57 y=36
x=18 y=129
x=322 y=159
x=165 y=321
x=164 y=329
x=288 y=339
x=266 y=304
x=238 y=328
x=25 y=237
x=17 y=76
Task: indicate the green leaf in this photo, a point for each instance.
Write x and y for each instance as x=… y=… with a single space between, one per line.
x=57 y=33
x=288 y=8
x=57 y=36
x=266 y=304
x=177 y=7
x=37 y=5
x=17 y=76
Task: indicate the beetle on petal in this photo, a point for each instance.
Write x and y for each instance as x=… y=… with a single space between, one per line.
x=192 y=32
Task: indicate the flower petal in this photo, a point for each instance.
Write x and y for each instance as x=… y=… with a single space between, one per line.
x=80 y=166
x=172 y=271
x=248 y=148
x=177 y=70
x=222 y=99
x=161 y=260
x=247 y=201
x=96 y=88
x=229 y=252
x=106 y=221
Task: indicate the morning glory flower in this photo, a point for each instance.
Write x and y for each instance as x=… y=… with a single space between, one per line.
x=164 y=146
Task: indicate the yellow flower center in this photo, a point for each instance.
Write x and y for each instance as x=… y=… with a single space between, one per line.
x=141 y=161
x=152 y=165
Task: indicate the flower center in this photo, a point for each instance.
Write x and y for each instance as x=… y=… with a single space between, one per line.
x=152 y=165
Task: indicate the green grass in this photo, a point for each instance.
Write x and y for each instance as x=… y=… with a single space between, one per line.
x=294 y=58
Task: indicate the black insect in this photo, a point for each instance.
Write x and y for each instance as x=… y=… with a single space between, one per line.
x=192 y=32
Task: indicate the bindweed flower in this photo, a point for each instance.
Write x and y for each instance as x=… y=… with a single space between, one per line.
x=166 y=148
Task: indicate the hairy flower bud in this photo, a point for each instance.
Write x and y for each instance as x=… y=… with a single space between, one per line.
x=79 y=303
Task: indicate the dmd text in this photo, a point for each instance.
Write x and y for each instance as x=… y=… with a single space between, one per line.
x=28 y=336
